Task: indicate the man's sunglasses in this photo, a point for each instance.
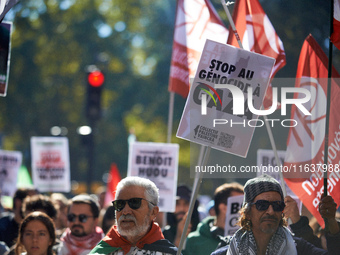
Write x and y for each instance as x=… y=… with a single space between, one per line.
x=263 y=205
x=81 y=217
x=134 y=203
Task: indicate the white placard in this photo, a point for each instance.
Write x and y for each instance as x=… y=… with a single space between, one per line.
x=209 y=117
x=10 y=162
x=234 y=204
x=50 y=164
x=157 y=162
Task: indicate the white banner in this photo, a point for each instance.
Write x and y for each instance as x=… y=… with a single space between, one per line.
x=10 y=162
x=157 y=162
x=234 y=204
x=50 y=164
x=216 y=116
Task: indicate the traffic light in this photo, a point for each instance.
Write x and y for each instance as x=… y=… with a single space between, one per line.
x=95 y=81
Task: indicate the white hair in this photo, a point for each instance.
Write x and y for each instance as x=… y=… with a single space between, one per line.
x=151 y=190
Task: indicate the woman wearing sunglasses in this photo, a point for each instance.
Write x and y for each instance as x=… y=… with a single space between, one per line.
x=36 y=235
x=135 y=232
x=263 y=226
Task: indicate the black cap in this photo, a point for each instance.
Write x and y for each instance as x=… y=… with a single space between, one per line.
x=183 y=192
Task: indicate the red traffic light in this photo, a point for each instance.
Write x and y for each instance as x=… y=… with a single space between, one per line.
x=96 y=78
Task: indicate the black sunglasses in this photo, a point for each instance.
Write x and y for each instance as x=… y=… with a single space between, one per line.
x=263 y=205
x=81 y=217
x=134 y=203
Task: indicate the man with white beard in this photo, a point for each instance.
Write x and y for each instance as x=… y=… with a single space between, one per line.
x=135 y=231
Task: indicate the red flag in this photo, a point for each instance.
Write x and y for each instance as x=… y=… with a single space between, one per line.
x=196 y=21
x=112 y=181
x=305 y=144
x=335 y=37
x=257 y=34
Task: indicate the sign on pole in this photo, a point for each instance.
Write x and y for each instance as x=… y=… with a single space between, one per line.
x=234 y=204
x=157 y=162
x=50 y=164
x=10 y=162
x=228 y=89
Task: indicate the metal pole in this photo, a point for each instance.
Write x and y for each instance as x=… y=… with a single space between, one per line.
x=329 y=83
x=90 y=157
x=170 y=116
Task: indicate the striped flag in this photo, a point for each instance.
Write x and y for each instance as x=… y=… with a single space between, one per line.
x=196 y=21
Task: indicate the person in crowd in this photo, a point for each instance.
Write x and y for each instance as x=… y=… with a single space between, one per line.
x=135 y=232
x=60 y=201
x=36 y=235
x=176 y=221
x=10 y=221
x=300 y=224
x=263 y=226
x=209 y=232
x=40 y=203
x=83 y=232
x=108 y=219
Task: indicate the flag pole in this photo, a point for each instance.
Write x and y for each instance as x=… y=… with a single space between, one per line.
x=270 y=134
x=329 y=83
x=170 y=116
x=330 y=60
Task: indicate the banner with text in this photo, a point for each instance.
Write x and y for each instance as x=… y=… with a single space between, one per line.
x=227 y=91
x=50 y=164
x=157 y=162
x=10 y=162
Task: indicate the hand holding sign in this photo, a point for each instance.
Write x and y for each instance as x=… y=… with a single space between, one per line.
x=291 y=210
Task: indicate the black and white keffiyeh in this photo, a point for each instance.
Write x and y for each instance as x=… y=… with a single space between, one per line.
x=282 y=243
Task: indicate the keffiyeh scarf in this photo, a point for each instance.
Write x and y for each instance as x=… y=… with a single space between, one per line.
x=282 y=243
x=73 y=245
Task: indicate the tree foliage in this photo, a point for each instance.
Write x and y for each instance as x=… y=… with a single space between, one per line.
x=53 y=42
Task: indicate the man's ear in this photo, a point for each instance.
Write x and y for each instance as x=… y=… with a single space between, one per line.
x=154 y=212
x=223 y=208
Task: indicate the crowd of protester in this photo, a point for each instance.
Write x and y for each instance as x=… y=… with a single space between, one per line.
x=54 y=224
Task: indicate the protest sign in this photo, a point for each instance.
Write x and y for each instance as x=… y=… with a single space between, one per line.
x=235 y=81
x=50 y=164
x=267 y=165
x=234 y=204
x=10 y=162
x=157 y=162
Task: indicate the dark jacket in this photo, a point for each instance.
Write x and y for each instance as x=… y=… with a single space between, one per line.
x=302 y=229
